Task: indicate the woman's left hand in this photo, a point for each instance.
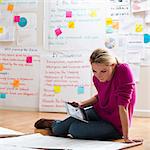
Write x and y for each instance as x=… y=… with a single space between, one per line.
x=133 y=140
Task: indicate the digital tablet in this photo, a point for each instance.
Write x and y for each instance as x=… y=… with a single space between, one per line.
x=76 y=112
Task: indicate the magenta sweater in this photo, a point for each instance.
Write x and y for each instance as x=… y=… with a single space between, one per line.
x=120 y=90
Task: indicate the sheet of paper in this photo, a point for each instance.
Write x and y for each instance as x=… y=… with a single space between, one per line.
x=19 y=75
x=40 y=141
x=140 y=5
x=7 y=29
x=19 y=5
x=4 y=132
x=8 y=147
x=147 y=16
x=79 y=25
x=61 y=73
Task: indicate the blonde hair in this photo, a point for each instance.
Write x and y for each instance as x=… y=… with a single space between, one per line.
x=103 y=56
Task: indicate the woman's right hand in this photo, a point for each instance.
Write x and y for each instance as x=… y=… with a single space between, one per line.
x=75 y=104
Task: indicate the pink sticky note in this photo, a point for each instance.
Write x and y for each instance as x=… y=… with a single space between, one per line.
x=68 y=14
x=58 y=31
x=29 y=59
x=16 y=18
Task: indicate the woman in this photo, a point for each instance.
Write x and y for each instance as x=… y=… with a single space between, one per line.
x=112 y=108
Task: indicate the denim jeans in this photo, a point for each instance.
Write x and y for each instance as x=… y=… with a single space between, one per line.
x=95 y=129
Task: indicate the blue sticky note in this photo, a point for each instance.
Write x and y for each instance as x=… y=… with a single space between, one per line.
x=80 y=89
x=2 y=95
x=146 y=38
x=109 y=29
x=22 y=22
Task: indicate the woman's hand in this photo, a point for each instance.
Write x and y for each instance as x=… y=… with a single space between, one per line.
x=75 y=104
x=127 y=140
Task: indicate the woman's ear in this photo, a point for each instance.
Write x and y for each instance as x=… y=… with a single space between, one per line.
x=113 y=65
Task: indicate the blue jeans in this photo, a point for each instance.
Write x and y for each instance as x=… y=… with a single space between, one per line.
x=95 y=129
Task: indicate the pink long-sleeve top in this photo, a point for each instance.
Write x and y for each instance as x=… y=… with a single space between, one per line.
x=120 y=90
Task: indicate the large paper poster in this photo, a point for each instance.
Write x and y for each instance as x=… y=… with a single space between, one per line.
x=65 y=76
x=20 y=5
x=73 y=25
x=19 y=77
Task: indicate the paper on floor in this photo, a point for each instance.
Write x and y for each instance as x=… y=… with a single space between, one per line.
x=40 y=141
x=4 y=132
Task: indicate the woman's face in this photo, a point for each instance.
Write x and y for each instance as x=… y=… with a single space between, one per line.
x=103 y=72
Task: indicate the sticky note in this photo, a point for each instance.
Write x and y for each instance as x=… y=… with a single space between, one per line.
x=138 y=27
x=108 y=21
x=80 y=89
x=29 y=59
x=93 y=13
x=146 y=38
x=1 y=29
x=16 y=18
x=10 y=7
x=23 y=22
x=71 y=24
x=68 y=14
x=57 y=89
x=109 y=29
x=58 y=31
x=2 y=95
x=1 y=67
x=1 y=1
x=16 y=83
x=115 y=25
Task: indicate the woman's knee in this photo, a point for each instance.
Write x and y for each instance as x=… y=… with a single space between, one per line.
x=77 y=131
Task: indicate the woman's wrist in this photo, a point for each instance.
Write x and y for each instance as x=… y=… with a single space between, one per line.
x=125 y=137
x=81 y=105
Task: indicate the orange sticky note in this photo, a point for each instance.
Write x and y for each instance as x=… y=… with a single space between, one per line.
x=115 y=25
x=1 y=29
x=10 y=7
x=108 y=21
x=1 y=67
x=71 y=24
x=16 y=83
x=139 y=28
x=57 y=89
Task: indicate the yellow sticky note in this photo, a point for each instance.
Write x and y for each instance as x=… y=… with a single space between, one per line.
x=57 y=89
x=1 y=29
x=93 y=13
x=1 y=1
x=139 y=28
x=108 y=21
x=10 y=7
x=16 y=83
x=1 y=67
x=71 y=24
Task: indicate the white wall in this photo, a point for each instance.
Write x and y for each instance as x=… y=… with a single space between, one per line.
x=143 y=86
